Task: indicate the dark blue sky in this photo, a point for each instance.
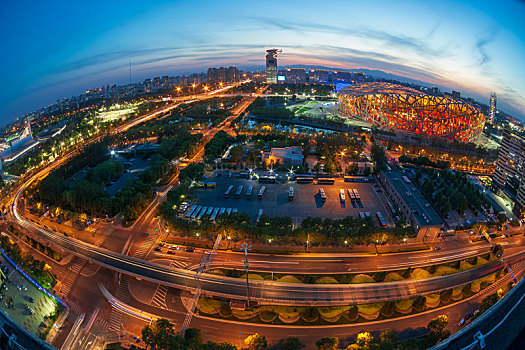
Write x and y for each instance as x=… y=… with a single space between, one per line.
x=54 y=49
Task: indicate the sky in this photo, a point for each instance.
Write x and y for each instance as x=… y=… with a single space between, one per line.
x=55 y=49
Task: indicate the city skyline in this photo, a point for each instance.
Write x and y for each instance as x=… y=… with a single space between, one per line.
x=475 y=48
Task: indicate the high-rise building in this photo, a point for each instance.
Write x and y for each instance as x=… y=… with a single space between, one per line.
x=456 y=95
x=232 y=74
x=156 y=81
x=509 y=177
x=492 y=107
x=318 y=75
x=147 y=85
x=271 y=65
x=295 y=75
x=165 y=81
x=223 y=75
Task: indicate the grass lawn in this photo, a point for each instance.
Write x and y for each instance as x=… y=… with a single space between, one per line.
x=369 y=309
x=253 y=276
x=362 y=278
x=332 y=311
x=445 y=270
x=419 y=274
x=404 y=304
x=393 y=276
x=289 y=279
x=432 y=298
x=210 y=306
x=326 y=280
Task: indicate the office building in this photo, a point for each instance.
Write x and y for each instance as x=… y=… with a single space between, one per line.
x=509 y=176
x=295 y=75
x=411 y=205
x=290 y=156
x=456 y=95
x=271 y=65
x=341 y=76
x=318 y=75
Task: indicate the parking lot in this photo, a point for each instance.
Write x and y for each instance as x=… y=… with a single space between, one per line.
x=22 y=301
x=306 y=201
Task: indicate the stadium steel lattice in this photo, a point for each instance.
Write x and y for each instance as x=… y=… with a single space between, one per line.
x=399 y=107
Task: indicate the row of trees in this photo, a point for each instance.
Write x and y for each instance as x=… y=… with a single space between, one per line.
x=161 y=335
x=316 y=230
x=425 y=161
x=217 y=145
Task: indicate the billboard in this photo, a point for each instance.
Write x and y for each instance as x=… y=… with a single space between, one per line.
x=281 y=78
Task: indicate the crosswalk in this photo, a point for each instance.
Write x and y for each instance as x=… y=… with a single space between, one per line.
x=71 y=276
x=179 y=264
x=159 y=298
x=101 y=322
x=145 y=247
x=115 y=319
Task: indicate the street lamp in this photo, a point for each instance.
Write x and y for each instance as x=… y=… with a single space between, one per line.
x=375 y=244
x=193 y=86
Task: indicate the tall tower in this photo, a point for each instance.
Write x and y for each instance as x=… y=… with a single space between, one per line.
x=492 y=107
x=271 y=65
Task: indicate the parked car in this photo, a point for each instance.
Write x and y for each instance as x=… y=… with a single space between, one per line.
x=171 y=251
x=437 y=247
x=190 y=249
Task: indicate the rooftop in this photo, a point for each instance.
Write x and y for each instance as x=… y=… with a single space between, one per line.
x=424 y=213
x=378 y=89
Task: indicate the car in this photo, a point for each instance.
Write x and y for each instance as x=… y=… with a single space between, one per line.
x=171 y=252
x=162 y=245
x=23 y=287
x=461 y=322
x=31 y=300
x=379 y=190
x=157 y=249
x=437 y=247
x=190 y=249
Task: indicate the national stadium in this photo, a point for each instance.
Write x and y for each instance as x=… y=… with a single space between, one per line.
x=402 y=108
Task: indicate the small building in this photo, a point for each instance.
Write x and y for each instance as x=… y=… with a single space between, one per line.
x=291 y=156
x=411 y=205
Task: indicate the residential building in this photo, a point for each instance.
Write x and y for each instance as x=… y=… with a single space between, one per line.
x=291 y=156
x=509 y=176
x=411 y=205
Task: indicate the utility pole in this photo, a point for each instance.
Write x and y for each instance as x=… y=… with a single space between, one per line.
x=246 y=247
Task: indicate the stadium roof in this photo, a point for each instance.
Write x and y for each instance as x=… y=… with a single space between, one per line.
x=378 y=89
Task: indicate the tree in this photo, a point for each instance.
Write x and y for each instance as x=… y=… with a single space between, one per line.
x=159 y=334
x=327 y=343
x=193 y=335
x=437 y=328
x=236 y=153
x=291 y=343
x=363 y=342
x=378 y=156
x=387 y=339
x=256 y=342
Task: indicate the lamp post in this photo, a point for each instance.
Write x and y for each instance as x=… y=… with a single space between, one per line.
x=375 y=244
x=193 y=86
x=246 y=247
